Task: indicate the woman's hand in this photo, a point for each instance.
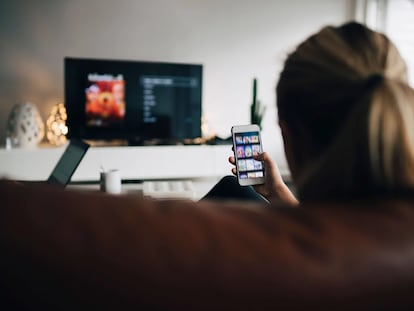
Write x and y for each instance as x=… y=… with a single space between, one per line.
x=274 y=189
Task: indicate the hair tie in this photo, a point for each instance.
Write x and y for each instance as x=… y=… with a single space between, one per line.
x=374 y=79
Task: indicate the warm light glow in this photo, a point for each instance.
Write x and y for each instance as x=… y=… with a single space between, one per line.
x=56 y=125
x=206 y=131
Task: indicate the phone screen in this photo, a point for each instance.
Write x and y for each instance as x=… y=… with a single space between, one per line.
x=246 y=144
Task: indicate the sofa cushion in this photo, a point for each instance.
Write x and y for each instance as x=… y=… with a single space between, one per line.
x=66 y=249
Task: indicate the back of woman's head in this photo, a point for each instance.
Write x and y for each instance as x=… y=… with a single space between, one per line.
x=343 y=96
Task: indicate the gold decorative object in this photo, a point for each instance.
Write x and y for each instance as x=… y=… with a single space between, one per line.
x=56 y=125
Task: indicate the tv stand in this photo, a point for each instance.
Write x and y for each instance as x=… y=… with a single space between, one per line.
x=167 y=142
x=154 y=142
x=134 y=162
x=149 y=142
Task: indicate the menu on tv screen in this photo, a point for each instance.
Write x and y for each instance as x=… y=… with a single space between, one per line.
x=133 y=100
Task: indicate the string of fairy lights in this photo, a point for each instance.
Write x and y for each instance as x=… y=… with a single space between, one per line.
x=56 y=125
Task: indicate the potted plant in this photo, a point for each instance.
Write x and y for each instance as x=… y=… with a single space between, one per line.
x=257 y=110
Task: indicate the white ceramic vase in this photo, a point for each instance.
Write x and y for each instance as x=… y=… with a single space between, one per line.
x=25 y=126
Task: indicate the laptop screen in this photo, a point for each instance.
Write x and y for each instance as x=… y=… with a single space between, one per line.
x=68 y=162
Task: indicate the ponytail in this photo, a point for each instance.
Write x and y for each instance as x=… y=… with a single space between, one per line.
x=374 y=150
x=391 y=135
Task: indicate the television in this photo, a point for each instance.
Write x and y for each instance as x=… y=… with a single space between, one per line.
x=136 y=101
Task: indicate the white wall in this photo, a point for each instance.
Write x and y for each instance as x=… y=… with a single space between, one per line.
x=235 y=40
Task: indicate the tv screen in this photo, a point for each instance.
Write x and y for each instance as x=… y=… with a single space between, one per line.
x=133 y=100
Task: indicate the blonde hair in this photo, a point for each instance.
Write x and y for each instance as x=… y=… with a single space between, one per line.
x=343 y=94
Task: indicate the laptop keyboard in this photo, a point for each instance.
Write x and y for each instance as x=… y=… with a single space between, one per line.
x=169 y=189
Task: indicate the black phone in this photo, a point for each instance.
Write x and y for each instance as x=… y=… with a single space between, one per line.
x=247 y=142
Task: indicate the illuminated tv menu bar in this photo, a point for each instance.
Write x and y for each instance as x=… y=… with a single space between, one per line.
x=156 y=87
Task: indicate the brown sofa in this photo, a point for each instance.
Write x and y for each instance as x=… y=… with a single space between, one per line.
x=68 y=250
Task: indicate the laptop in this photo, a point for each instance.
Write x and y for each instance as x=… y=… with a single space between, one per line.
x=68 y=163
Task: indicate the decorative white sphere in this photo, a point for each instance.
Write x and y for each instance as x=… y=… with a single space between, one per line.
x=25 y=126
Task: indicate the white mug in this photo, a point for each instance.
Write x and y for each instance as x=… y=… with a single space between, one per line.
x=111 y=181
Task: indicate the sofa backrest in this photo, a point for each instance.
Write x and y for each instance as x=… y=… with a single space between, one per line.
x=69 y=249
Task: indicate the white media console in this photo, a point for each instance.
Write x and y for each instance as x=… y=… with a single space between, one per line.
x=135 y=163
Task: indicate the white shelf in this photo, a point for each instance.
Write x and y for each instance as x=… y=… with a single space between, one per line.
x=202 y=186
x=135 y=163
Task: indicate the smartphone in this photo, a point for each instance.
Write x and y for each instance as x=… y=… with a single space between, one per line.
x=247 y=143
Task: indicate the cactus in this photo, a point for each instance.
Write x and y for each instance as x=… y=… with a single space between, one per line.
x=257 y=110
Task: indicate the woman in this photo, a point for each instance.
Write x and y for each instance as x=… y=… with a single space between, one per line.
x=346 y=114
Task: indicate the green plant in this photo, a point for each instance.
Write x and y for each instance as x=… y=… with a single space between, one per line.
x=257 y=110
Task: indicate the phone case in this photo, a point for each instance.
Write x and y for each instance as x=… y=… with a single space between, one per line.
x=246 y=144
